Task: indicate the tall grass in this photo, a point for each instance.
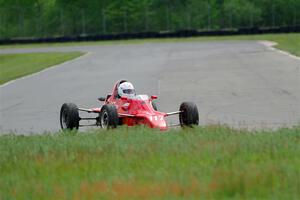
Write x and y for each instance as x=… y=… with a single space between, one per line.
x=138 y=163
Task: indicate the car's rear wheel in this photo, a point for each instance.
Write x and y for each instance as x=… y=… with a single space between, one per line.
x=69 y=116
x=109 y=117
x=189 y=115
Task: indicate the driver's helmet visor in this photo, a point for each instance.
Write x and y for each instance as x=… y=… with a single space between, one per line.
x=128 y=91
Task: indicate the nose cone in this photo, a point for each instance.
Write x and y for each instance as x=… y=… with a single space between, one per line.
x=157 y=121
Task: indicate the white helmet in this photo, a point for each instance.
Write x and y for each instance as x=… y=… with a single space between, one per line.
x=126 y=89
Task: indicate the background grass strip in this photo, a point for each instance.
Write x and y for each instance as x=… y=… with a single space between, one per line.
x=13 y=66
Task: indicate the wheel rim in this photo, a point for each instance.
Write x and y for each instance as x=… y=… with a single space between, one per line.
x=64 y=120
x=104 y=120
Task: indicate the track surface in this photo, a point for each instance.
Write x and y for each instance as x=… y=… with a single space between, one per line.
x=243 y=84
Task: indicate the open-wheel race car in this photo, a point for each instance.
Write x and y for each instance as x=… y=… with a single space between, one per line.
x=124 y=107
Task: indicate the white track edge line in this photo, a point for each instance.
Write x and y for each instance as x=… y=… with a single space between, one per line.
x=270 y=45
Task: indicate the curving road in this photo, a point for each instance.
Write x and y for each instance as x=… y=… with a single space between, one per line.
x=242 y=84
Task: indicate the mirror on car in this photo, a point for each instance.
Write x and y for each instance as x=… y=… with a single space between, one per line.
x=153 y=97
x=101 y=98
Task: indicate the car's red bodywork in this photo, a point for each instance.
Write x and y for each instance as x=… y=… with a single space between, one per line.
x=137 y=110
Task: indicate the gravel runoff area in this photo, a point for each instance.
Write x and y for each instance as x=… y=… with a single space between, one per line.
x=242 y=84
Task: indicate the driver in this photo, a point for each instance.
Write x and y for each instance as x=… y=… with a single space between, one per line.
x=126 y=89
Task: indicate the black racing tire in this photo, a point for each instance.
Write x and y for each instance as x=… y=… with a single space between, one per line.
x=109 y=116
x=69 y=116
x=154 y=106
x=189 y=115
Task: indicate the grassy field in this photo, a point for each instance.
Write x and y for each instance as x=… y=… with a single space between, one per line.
x=136 y=163
x=287 y=42
x=17 y=65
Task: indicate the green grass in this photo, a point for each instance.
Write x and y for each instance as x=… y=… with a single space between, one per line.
x=13 y=66
x=136 y=163
x=287 y=42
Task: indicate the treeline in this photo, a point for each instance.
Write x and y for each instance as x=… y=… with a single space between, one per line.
x=44 y=18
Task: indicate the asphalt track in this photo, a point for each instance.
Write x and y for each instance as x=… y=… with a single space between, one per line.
x=242 y=84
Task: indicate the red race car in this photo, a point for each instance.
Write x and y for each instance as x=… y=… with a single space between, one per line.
x=124 y=107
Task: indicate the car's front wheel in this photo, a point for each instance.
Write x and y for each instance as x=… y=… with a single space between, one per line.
x=189 y=115
x=69 y=116
x=109 y=116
